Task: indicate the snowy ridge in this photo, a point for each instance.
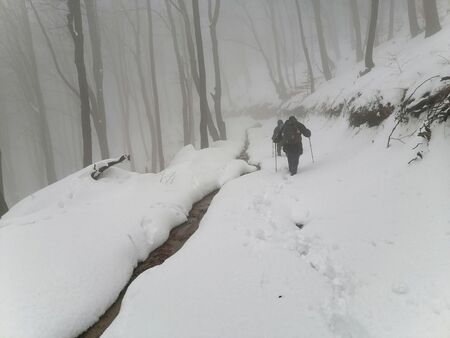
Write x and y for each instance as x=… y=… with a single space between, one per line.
x=68 y=250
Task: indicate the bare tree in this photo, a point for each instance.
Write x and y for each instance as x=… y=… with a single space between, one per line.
x=371 y=36
x=3 y=205
x=412 y=18
x=391 y=19
x=432 y=24
x=121 y=73
x=305 y=47
x=38 y=97
x=276 y=43
x=284 y=44
x=331 y=13
x=322 y=46
x=75 y=25
x=194 y=67
x=97 y=68
x=259 y=47
x=181 y=74
x=137 y=53
x=96 y=116
x=293 y=42
x=357 y=29
x=155 y=86
x=202 y=76
x=217 y=96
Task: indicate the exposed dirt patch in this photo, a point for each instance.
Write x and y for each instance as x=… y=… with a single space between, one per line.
x=372 y=116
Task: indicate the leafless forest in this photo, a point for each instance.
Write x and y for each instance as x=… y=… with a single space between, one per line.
x=82 y=81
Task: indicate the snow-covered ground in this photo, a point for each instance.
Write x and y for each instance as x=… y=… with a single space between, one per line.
x=68 y=250
x=401 y=65
x=372 y=259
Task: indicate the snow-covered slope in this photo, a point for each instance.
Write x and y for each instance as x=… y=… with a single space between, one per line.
x=68 y=250
x=402 y=64
x=372 y=259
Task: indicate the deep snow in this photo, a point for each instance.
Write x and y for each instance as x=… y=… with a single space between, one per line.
x=372 y=259
x=68 y=250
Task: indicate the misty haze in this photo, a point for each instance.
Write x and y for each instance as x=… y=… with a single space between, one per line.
x=224 y=168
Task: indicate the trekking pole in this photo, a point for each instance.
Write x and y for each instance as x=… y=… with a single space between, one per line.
x=275 y=149
x=310 y=147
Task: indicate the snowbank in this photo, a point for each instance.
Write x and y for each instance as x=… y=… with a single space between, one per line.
x=371 y=259
x=68 y=250
x=402 y=64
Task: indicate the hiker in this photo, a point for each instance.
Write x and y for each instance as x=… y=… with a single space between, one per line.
x=291 y=138
x=277 y=137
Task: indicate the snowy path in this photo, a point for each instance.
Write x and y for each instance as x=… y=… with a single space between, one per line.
x=371 y=260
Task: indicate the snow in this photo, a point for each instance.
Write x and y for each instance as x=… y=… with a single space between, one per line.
x=372 y=259
x=402 y=64
x=68 y=250
x=355 y=245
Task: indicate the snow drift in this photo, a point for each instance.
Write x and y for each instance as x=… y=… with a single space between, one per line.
x=68 y=250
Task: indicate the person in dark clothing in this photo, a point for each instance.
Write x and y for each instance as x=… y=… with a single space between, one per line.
x=292 y=132
x=277 y=137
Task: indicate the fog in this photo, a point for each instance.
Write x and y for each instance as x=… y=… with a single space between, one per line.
x=142 y=93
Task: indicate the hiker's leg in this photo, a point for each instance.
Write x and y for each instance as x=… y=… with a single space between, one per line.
x=295 y=159
x=279 y=148
x=291 y=161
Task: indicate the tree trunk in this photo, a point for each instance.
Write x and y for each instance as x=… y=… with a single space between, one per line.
x=44 y=128
x=260 y=48
x=143 y=86
x=194 y=71
x=181 y=75
x=217 y=96
x=202 y=76
x=155 y=86
x=97 y=68
x=291 y=29
x=371 y=35
x=432 y=24
x=357 y=29
x=99 y=126
x=190 y=94
x=273 y=25
x=331 y=14
x=412 y=17
x=305 y=48
x=75 y=25
x=284 y=48
x=322 y=46
x=3 y=205
x=391 y=19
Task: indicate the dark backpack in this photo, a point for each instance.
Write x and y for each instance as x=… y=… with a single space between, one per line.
x=291 y=133
x=277 y=137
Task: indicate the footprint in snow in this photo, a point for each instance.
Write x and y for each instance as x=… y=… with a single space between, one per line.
x=400 y=288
